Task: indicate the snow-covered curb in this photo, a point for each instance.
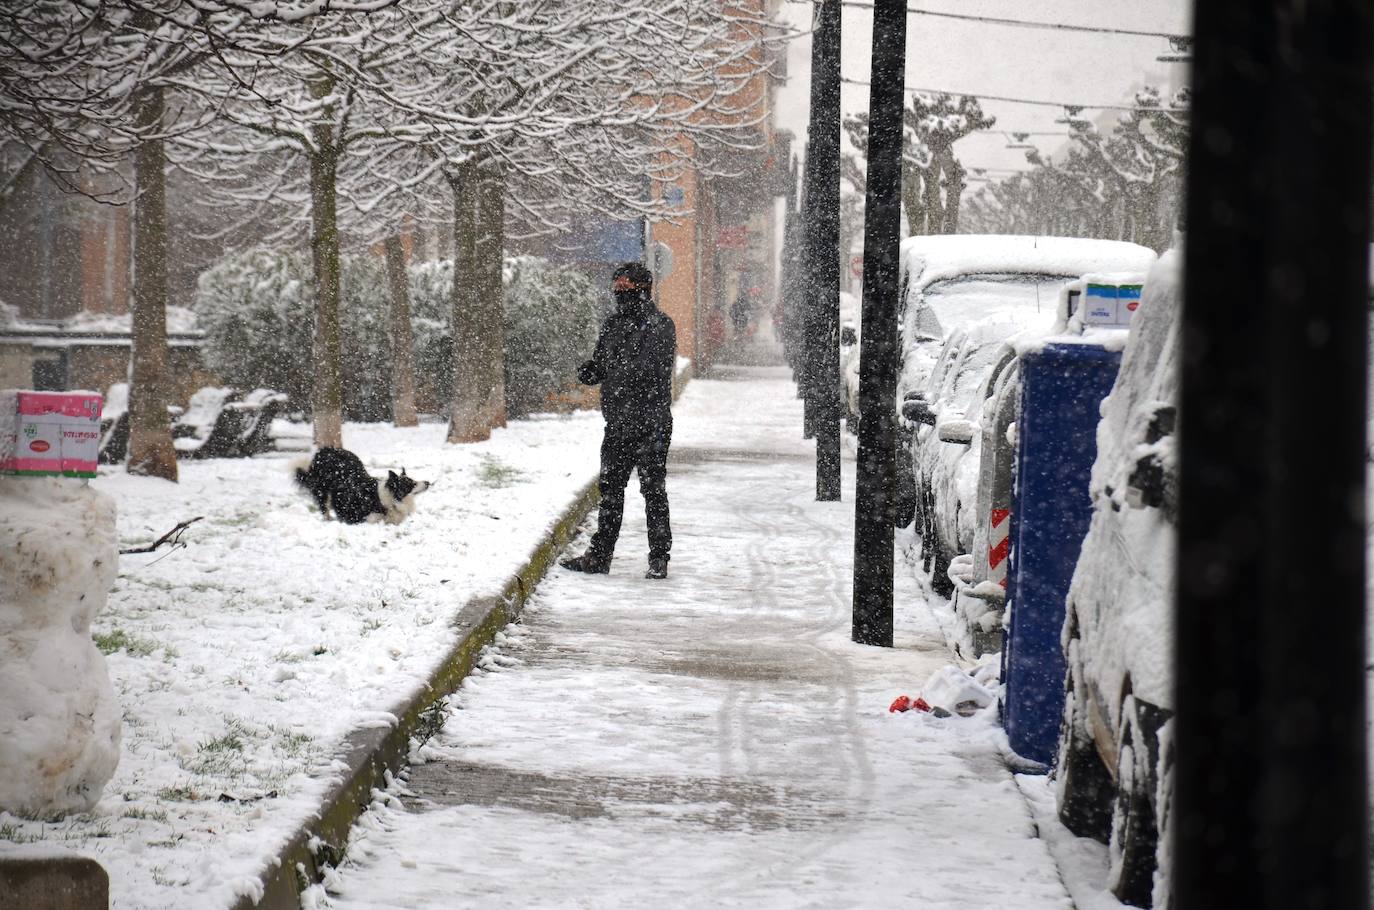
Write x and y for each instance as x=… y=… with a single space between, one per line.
x=371 y=752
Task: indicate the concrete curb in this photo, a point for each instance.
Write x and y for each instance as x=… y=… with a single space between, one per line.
x=53 y=881
x=370 y=753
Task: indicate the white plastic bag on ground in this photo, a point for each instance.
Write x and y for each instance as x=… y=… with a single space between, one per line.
x=955 y=691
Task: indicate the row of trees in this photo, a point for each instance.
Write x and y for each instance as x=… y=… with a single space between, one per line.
x=1123 y=184
x=363 y=119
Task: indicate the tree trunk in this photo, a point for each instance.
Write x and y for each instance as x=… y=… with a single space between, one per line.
x=933 y=207
x=326 y=400
x=491 y=255
x=478 y=402
x=402 y=351
x=954 y=191
x=911 y=199
x=150 y=437
x=462 y=425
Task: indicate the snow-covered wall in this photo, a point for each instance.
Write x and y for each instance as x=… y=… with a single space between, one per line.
x=59 y=723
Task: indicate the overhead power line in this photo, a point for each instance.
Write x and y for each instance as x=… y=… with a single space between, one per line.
x=1032 y=101
x=1026 y=23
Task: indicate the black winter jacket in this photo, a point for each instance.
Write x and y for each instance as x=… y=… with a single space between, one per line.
x=633 y=363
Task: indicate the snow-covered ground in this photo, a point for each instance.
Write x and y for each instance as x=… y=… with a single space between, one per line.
x=242 y=660
x=715 y=739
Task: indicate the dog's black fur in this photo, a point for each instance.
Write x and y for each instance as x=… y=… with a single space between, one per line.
x=338 y=481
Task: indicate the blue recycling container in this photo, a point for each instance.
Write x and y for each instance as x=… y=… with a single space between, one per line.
x=1062 y=387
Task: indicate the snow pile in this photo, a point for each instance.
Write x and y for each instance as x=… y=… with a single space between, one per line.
x=59 y=724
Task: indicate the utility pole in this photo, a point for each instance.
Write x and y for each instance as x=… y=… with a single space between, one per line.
x=1270 y=807
x=822 y=252
x=874 y=502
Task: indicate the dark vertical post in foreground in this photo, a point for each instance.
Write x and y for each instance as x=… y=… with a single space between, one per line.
x=875 y=484
x=1270 y=803
x=823 y=249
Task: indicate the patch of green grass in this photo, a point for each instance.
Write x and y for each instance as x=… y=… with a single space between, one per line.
x=289 y=741
x=15 y=835
x=152 y=815
x=119 y=640
x=494 y=475
x=179 y=795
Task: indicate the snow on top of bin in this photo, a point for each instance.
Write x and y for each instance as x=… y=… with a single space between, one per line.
x=928 y=259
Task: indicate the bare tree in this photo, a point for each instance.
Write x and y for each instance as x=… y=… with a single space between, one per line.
x=932 y=177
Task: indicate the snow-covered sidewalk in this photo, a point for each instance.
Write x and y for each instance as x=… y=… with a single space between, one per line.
x=710 y=740
x=243 y=661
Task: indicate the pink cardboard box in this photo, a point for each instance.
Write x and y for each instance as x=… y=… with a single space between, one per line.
x=49 y=432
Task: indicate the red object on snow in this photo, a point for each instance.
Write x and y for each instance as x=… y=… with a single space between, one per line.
x=901 y=703
x=921 y=704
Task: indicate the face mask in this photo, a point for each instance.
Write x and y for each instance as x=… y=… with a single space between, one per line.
x=630 y=303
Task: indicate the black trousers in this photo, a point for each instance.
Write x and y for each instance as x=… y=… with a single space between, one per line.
x=624 y=450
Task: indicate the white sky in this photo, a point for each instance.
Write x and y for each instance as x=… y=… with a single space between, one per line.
x=981 y=58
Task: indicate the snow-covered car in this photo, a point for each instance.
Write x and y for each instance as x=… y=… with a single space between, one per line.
x=947 y=440
x=1112 y=771
x=951 y=281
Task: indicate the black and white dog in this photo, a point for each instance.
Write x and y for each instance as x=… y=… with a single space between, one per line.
x=338 y=481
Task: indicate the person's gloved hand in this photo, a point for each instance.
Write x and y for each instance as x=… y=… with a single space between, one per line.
x=588 y=374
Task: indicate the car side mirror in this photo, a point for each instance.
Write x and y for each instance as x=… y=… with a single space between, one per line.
x=1146 y=487
x=959 y=432
x=917 y=410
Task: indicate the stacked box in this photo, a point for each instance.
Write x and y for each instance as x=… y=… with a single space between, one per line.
x=1110 y=304
x=49 y=433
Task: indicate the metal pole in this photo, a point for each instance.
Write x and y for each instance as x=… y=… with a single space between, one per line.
x=1270 y=806
x=824 y=253
x=810 y=220
x=874 y=503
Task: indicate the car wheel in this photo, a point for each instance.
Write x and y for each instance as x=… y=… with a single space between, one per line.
x=1135 y=836
x=939 y=571
x=927 y=529
x=1083 y=786
x=1164 y=818
x=904 y=508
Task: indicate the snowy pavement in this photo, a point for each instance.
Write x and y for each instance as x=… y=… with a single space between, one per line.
x=712 y=740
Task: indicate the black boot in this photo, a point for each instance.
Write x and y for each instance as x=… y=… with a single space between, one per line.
x=658 y=568
x=587 y=562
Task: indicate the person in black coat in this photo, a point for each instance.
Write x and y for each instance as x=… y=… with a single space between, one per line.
x=633 y=364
